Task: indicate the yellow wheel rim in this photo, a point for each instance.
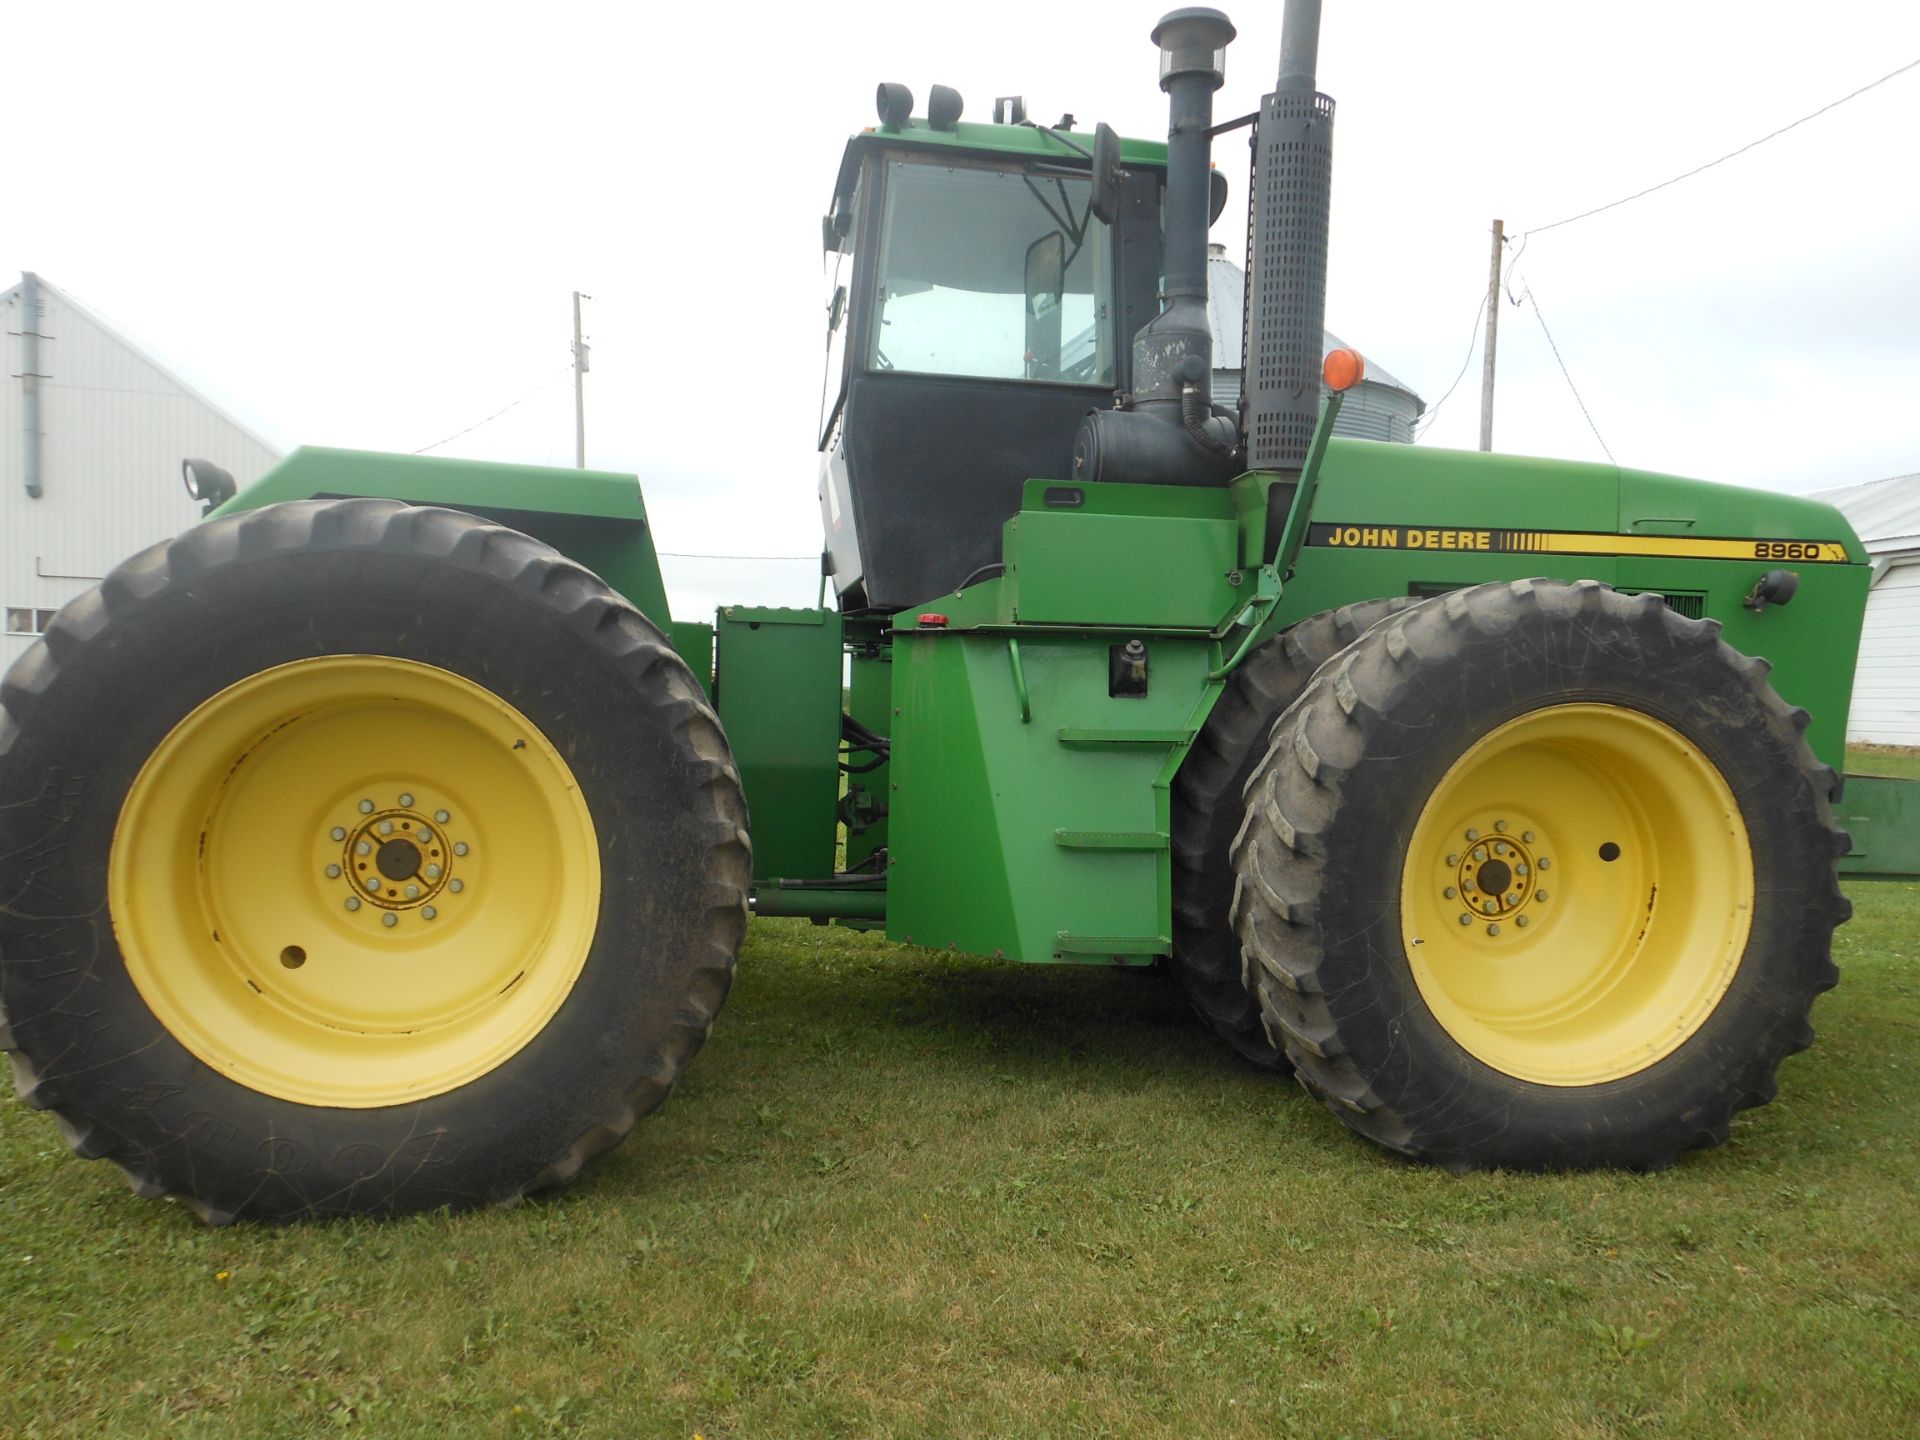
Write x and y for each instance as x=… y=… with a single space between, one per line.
x=1577 y=894
x=354 y=881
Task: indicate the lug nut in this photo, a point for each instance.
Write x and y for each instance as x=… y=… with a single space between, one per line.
x=1546 y=864
x=430 y=913
x=1540 y=895
x=1501 y=826
x=424 y=834
x=1520 y=870
x=413 y=892
x=363 y=848
x=366 y=807
x=1527 y=835
x=373 y=887
x=456 y=886
x=460 y=847
x=1490 y=907
x=1491 y=929
x=338 y=832
x=1473 y=834
x=1448 y=893
x=1521 y=921
x=386 y=827
x=333 y=872
x=1466 y=919
x=1453 y=859
x=442 y=816
x=433 y=872
x=389 y=919
x=1479 y=852
x=353 y=902
x=406 y=802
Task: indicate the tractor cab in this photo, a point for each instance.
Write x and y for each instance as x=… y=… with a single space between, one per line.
x=978 y=310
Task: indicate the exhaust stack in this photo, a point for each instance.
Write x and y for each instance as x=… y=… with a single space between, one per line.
x=1168 y=433
x=1287 y=253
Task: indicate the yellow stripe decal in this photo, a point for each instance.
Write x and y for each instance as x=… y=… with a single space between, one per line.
x=1336 y=536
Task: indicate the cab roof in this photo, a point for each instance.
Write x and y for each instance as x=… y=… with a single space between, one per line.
x=1029 y=141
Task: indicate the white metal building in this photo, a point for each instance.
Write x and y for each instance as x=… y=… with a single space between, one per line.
x=91 y=441
x=1885 y=514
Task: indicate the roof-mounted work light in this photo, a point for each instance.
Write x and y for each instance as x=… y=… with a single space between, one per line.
x=895 y=104
x=943 y=107
x=207 y=483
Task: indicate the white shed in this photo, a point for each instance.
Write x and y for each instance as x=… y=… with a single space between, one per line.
x=91 y=441
x=1885 y=514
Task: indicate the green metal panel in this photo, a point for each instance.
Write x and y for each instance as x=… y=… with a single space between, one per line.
x=693 y=640
x=1154 y=555
x=1368 y=486
x=777 y=679
x=1041 y=839
x=595 y=517
x=1883 y=817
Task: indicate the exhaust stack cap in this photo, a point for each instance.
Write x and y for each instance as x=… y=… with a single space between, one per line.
x=1193 y=41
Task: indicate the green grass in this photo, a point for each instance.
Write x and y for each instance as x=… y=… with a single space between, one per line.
x=904 y=1194
x=1900 y=761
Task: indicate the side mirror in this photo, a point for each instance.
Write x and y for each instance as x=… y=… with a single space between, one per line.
x=836 y=308
x=1046 y=284
x=1216 y=195
x=1106 y=173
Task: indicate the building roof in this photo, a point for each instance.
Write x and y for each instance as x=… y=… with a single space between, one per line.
x=1884 y=513
x=1226 y=307
x=120 y=337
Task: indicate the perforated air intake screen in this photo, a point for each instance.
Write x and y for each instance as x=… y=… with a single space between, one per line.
x=1287 y=278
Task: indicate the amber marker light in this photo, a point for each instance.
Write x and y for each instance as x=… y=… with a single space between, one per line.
x=1343 y=369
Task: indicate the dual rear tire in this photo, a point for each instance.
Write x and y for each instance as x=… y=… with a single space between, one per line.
x=1538 y=875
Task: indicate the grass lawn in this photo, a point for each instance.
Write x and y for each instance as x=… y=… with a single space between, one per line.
x=905 y=1194
x=1900 y=761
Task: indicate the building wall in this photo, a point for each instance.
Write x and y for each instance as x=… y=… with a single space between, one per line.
x=114 y=428
x=1886 y=687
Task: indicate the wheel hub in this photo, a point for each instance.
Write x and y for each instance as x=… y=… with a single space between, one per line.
x=396 y=862
x=1495 y=874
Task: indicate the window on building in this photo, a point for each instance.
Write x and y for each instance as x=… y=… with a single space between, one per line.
x=25 y=620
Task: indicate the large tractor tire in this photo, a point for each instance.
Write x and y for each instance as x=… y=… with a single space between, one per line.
x=1207 y=811
x=1540 y=876
x=359 y=858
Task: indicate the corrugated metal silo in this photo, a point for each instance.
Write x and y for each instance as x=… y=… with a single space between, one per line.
x=1378 y=408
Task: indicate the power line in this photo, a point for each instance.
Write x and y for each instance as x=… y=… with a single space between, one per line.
x=1506 y=276
x=1771 y=135
x=498 y=413
x=1478 y=314
x=1528 y=296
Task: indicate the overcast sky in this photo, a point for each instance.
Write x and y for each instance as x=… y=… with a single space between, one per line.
x=360 y=225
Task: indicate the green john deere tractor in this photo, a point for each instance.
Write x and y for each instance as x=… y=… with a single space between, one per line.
x=380 y=843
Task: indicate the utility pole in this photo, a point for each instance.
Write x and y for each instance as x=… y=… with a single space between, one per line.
x=1493 y=333
x=580 y=390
